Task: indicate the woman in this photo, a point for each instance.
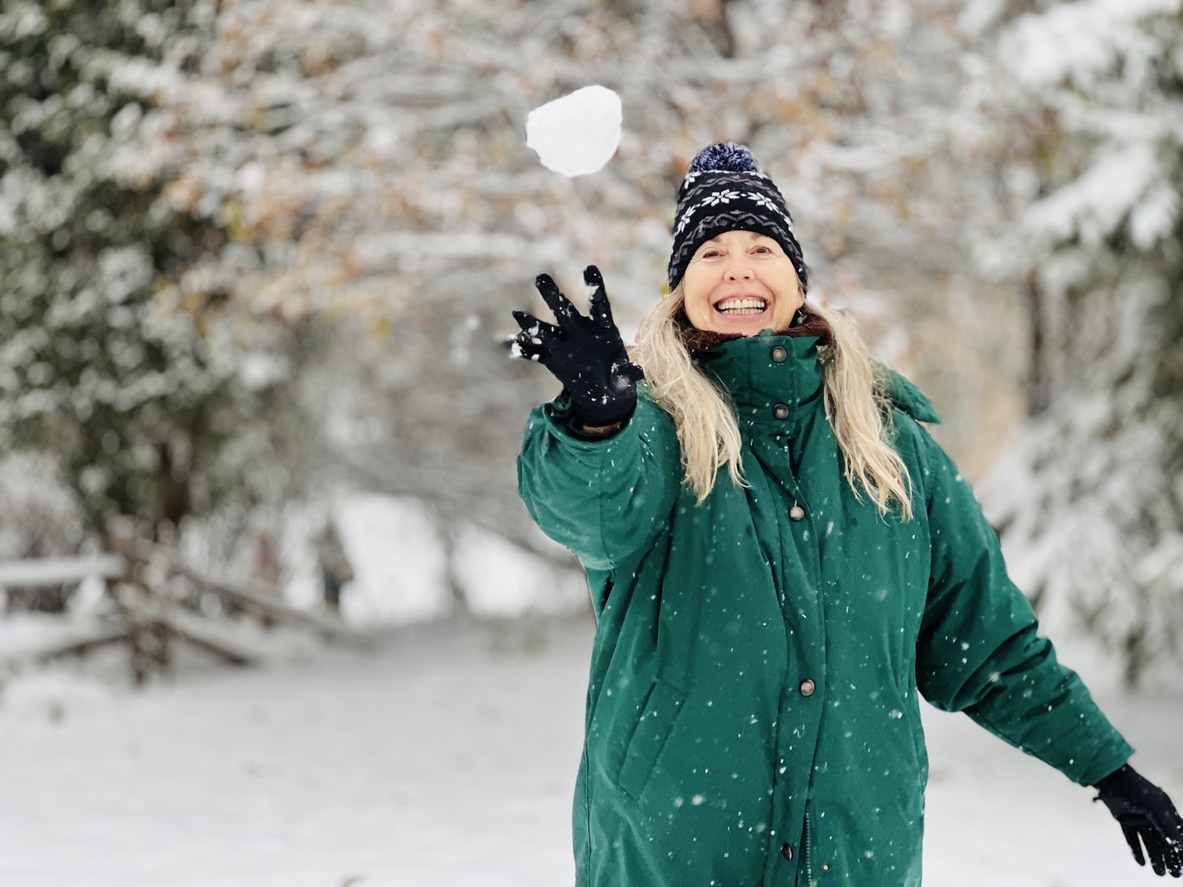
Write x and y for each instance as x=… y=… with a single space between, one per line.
x=782 y=561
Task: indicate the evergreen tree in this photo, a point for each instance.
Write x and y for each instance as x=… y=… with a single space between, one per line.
x=1090 y=499
x=119 y=349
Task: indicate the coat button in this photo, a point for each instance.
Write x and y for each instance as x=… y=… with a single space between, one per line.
x=786 y=850
x=779 y=355
x=807 y=687
x=781 y=411
x=796 y=512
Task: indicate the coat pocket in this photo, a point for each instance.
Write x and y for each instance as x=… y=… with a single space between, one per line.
x=658 y=714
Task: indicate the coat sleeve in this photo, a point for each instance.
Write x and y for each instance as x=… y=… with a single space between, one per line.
x=979 y=650
x=602 y=499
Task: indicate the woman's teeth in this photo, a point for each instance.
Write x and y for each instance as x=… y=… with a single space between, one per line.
x=741 y=306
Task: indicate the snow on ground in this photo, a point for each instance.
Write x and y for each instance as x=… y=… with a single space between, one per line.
x=444 y=758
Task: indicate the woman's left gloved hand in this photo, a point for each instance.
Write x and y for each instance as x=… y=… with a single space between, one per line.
x=1147 y=818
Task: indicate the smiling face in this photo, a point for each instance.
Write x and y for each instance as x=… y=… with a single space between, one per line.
x=741 y=282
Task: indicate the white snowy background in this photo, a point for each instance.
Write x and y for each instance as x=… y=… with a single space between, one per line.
x=445 y=753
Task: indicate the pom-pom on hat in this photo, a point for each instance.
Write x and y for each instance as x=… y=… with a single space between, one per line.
x=724 y=190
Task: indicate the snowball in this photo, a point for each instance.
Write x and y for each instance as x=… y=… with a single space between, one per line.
x=578 y=133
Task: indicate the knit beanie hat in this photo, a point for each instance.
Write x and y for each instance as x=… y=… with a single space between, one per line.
x=724 y=190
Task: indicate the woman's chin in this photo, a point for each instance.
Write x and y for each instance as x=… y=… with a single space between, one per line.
x=748 y=325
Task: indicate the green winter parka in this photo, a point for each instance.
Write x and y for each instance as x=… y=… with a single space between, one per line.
x=753 y=708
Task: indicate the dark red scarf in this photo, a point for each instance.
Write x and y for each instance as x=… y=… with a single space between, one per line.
x=805 y=323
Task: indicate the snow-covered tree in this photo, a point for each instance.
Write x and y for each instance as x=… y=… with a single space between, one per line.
x=120 y=352
x=365 y=160
x=379 y=148
x=1090 y=498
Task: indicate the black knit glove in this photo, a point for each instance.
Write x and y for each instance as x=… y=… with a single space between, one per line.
x=1147 y=817
x=586 y=354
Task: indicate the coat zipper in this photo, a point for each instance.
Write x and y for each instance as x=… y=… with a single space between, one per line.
x=807 y=849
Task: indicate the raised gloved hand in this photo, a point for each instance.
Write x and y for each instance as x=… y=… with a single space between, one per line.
x=1147 y=817
x=586 y=354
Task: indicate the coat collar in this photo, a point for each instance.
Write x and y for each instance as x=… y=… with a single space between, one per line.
x=767 y=375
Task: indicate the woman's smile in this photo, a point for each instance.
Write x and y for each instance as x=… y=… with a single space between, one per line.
x=741 y=305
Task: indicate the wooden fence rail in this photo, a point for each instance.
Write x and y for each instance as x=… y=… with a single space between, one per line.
x=148 y=616
x=60 y=570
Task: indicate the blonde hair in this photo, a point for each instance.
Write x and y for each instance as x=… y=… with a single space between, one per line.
x=855 y=398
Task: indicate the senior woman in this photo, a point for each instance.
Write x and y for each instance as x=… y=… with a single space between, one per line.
x=782 y=562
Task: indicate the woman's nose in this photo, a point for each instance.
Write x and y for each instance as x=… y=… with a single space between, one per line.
x=738 y=268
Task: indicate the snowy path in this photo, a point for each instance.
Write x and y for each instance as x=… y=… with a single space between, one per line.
x=447 y=759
